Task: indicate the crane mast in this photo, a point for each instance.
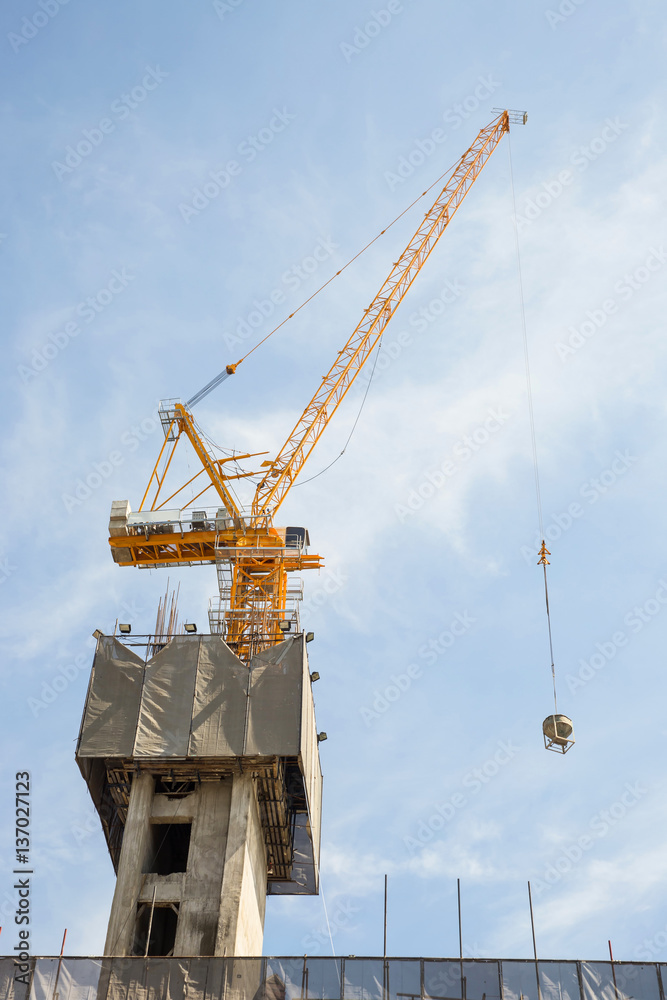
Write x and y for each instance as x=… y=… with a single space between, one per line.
x=253 y=557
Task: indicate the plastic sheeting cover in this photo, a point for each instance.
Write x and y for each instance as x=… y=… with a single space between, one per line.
x=167 y=699
x=112 y=705
x=274 y=719
x=298 y=978
x=622 y=981
x=196 y=698
x=310 y=759
x=219 y=711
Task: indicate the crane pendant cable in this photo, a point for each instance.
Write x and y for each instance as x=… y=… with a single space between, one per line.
x=230 y=369
x=556 y=728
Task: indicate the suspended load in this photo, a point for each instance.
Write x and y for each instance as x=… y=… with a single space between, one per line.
x=557 y=731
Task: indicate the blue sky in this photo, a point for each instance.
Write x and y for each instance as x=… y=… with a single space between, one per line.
x=450 y=778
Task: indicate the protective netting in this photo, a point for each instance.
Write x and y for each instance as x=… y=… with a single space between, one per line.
x=328 y=979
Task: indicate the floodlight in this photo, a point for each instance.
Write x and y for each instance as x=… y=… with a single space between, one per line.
x=321 y=737
x=125 y=629
x=310 y=636
x=97 y=634
x=314 y=676
x=190 y=627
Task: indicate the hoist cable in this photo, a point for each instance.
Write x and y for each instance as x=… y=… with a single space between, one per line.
x=543 y=561
x=354 y=425
x=551 y=645
x=525 y=350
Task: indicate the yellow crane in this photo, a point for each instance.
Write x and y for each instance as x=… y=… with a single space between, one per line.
x=254 y=558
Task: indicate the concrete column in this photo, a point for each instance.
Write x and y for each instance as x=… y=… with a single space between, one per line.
x=136 y=842
x=200 y=902
x=243 y=892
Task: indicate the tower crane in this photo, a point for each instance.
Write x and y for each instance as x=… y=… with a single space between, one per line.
x=254 y=558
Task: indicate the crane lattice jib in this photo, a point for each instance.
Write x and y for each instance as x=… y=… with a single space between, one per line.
x=274 y=486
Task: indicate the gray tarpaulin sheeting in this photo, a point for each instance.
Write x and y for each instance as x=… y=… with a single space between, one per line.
x=559 y=981
x=9 y=989
x=195 y=698
x=624 y=982
x=112 y=705
x=274 y=719
x=219 y=712
x=77 y=979
x=326 y=979
x=167 y=699
x=310 y=763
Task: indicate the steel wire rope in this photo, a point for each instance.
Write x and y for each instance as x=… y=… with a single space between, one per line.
x=223 y=375
x=354 y=425
x=543 y=561
x=213 y=446
x=321 y=887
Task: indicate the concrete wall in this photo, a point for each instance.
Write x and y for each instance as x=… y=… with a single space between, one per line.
x=222 y=893
x=243 y=895
x=200 y=902
x=136 y=844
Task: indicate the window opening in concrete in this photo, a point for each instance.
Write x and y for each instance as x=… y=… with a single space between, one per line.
x=169 y=848
x=163 y=929
x=173 y=788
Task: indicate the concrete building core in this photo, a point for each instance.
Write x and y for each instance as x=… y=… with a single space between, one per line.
x=205 y=774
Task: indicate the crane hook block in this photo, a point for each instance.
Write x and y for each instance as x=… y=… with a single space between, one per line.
x=544 y=552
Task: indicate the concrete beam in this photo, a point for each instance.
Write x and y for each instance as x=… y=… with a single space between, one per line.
x=243 y=894
x=136 y=844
